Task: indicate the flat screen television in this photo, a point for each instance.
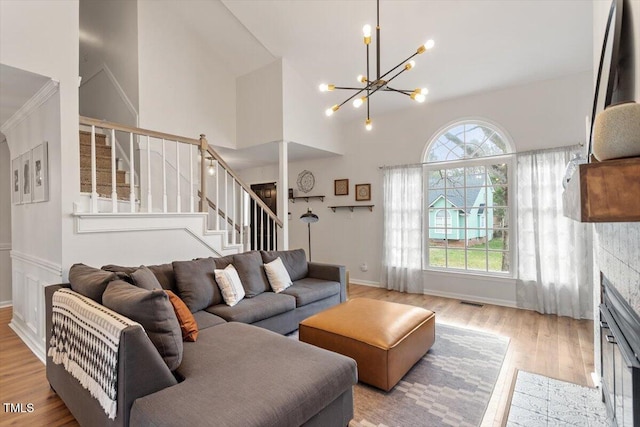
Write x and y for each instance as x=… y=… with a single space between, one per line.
x=615 y=80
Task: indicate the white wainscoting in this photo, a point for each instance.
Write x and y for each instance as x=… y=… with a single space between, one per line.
x=30 y=276
x=5 y=275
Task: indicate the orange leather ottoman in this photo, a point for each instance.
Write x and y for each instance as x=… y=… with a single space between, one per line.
x=386 y=339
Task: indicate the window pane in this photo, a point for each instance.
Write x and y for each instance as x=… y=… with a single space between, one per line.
x=455 y=258
x=468 y=222
x=477 y=260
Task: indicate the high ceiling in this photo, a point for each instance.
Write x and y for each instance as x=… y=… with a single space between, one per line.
x=480 y=44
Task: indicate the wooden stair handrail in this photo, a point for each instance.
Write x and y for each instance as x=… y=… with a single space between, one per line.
x=88 y=121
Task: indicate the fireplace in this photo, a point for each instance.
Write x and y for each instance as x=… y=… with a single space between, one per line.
x=620 y=352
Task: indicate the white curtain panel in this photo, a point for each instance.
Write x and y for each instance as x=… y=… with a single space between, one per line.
x=403 y=229
x=554 y=252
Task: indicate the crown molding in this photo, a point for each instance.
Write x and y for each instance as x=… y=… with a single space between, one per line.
x=31 y=105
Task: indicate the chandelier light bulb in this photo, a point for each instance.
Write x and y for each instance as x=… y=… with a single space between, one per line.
x=409 y=65
x=423 y=91
x=359 y=101
x=418 y=97
x=326 y=87
x=429 y=44
x=211 y=169
x=366 y=30
x=330 y=111
x=368 y=125
x=362 y=79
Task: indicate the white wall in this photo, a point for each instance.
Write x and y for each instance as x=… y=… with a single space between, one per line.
x=5 y=224
x=182 y=89
x=538 y=115
x=259 y=106
x=109 y=38
x=303 y=114
x=41 y=36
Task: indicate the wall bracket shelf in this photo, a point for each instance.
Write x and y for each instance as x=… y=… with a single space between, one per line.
x=305 y=198
x=351 y=207
x=606 y=191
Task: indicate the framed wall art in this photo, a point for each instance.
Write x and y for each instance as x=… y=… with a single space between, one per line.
x=16 y=168
x=25 y=177
x=363 y=192
x=341 y=187
x=40 y=175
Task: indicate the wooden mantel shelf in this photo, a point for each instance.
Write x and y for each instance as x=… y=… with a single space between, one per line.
x=606 y=191
x=352 y=207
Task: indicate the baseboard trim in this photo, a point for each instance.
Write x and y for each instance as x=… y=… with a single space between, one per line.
x=36 y=348
x=5 y=304
x=473 y=298
x=365 y=283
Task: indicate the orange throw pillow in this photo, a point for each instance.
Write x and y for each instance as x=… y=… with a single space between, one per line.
x=188 y=324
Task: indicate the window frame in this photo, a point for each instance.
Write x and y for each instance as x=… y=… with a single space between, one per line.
x=509 y=159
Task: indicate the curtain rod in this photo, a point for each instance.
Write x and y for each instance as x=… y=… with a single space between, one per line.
x=540 y=150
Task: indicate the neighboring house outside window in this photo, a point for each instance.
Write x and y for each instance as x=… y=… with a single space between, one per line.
x=467 y=174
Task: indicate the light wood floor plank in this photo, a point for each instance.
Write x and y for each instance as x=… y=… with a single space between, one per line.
x=558 y=347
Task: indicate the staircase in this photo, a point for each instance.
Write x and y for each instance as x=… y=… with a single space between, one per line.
x=103 y=168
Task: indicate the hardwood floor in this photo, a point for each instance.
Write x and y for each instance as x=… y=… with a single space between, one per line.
x=558 y=347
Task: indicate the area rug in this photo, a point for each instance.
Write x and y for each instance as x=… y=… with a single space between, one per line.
x=450 y=386
x=537 y=400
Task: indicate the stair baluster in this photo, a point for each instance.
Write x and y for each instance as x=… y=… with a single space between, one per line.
x=178 y=194
x=132 y=194
x=191 y=198
x=94 y=189
x=149 y=197
x=114 y=190
x=164 y=177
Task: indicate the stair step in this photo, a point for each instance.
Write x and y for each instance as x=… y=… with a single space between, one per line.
x=85 y=138
x=101 y=150
x=103 y=176
x=122 y=190
x=102 y=162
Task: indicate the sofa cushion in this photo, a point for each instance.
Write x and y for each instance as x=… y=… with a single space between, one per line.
x=163 y=272
x=295 y=261
x=224 y=261
x=252 y=310
x=188 y=324
x=90 y=281
x=251 y=273
x=278 y=275
x=196 y=283
x=207 y=320
x=154 y=312
x=230 y=285
x=248 y=390
x=145 y=279
x=310 y=290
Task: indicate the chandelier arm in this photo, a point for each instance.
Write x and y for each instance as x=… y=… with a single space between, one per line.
x=349 y=88
x=402 y=91
x=400 y=64
x=368 y=81
x=378 y=39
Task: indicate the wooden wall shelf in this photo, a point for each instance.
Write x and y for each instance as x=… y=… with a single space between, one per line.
x=351 y=207
x=606 y=191
x=305 y=198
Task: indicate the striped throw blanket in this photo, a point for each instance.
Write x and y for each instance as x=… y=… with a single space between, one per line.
x=85 y=339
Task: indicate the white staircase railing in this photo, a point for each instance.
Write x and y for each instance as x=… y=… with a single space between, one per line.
x=228 y=198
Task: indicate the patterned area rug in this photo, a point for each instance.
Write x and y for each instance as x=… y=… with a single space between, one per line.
x=539 y=401
x=450 y=386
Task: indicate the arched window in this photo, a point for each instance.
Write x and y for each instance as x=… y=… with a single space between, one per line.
x=468 y=167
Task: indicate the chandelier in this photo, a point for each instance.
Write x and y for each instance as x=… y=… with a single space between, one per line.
x=381 y=82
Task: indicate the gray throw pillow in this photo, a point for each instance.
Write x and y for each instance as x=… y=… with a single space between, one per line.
x=163 y=272
x=196 y=283
x=295 y=261
x=89 y=281
x=145 y=279
x=153 y=310
x=223 y=261
x=251 y=273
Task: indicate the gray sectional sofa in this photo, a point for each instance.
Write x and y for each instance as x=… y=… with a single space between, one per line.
x=234 y=374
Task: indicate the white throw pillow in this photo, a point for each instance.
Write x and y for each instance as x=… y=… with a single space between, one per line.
x=230 y=285
x=278 y=275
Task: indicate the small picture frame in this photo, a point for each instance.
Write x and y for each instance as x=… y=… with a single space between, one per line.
x=26 y=187
x=341 y=187
x=40 y=175
x=16 y=181
x=363 y=192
